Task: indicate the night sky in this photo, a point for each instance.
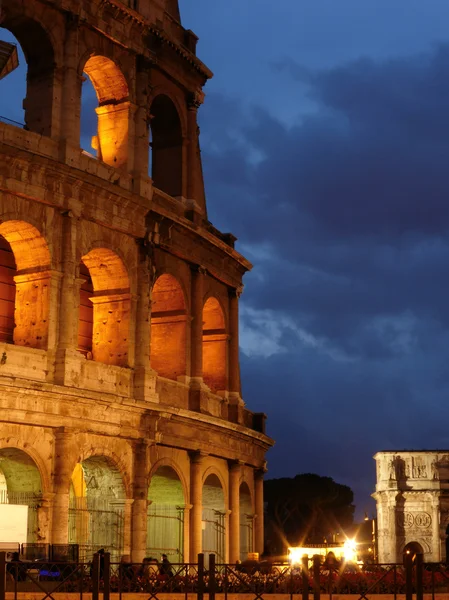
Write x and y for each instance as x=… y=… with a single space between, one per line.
x=325 y=142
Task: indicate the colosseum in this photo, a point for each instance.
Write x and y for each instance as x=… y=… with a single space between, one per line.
x=122 y=421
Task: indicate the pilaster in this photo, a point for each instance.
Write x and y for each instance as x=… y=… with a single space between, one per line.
x=235 y=471
x=196 y=500
x=62 y=473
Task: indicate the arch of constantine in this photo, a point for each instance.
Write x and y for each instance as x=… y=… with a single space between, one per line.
x=122 y=422
x=412 y=496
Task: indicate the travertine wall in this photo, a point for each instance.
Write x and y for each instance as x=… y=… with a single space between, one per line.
x=412 y=496
x=61 y=209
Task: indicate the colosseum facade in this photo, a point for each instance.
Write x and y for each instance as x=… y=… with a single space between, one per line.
x=122 y=420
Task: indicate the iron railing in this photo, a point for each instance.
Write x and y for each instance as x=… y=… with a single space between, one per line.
x=256 y=579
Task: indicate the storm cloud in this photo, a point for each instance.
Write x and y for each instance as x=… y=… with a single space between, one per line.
x=345 y=213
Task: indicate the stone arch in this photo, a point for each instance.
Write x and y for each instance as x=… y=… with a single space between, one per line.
x=166 y=90
x=113 y=111
x=28 y=244
x=168 y=462
x=22 y=485
x=25 y=285
x=413 y=549
x=165 y=516
x=97 y=502
x=215 y=367
x=166 y=145
x=40 y=51
x=214 y=515
x=246 y=520
x=168 y=328
x=113 y=459
x=16 y=443
x=104 y=316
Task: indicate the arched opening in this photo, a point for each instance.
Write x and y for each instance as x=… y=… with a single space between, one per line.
x=246 y=521
x=88 y=118
x=214 y=346
x=214 y=525
x=168 y=328
x=105 y=315
x=39 y=90
x=166 y=146
x=20 y=486
x=31 y=278
x=412 y=549
x=165 y=524
x=97 y=508
x=16 y=79
x=7 y=291
x=113 y=111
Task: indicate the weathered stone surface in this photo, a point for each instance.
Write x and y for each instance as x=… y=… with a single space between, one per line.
x=412 y=496
x=124 y=366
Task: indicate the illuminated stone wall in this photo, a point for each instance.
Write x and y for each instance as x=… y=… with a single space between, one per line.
x=118 y=298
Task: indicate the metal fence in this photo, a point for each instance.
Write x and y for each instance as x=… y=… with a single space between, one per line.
x=256 y=579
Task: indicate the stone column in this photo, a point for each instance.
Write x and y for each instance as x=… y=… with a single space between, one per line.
x=44 y=518
x=234 y=517
x=196 y=332
x=144 y=376
x=69 y=301
x=141 y=184
x=127 y=504
x=196 y=501
x=258 y=501
x=71 y=92
x=192 y=147
x=393 y=554
x=141 y=471
x=436 y=539
x=234 y=363
x=62 y=474
x=194 y=175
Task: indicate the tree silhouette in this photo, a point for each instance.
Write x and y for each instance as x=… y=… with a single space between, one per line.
x=307 y=508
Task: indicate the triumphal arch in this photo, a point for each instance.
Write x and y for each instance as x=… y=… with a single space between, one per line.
x=122 y=421
x=412 y=496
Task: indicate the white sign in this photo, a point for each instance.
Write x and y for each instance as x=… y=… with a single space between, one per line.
x=13 y=523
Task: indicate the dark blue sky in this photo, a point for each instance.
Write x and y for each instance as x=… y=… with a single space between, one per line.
x=325 y=139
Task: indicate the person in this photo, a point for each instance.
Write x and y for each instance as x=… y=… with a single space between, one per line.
x=165 y=567
x=101 y=564
x=16 y=568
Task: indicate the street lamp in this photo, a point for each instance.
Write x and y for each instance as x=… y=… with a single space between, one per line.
x=373 y=534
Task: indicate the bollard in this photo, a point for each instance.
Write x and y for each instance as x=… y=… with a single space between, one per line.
x=2 y=575
x=408 y=562
x=106 y=576
x=316 y=577
x=96 y=576
x=419 y=567
x=305 y=577
x=200 y=590
x=212 y=577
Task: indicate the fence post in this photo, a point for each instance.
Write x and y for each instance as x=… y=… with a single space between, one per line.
x=305 y=577
x=106 y=575
x=419 y=576
x=95 y=576
x=2 y=575
x=200 y=590
x=408 y=560
x=212 y=577
x=316 y=577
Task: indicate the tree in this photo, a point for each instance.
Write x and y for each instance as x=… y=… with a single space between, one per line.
x=307 y=508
